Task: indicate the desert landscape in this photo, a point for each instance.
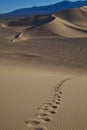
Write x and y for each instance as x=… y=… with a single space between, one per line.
x=43 y=71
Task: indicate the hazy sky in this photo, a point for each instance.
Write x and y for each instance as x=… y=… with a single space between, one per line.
x=10 y=5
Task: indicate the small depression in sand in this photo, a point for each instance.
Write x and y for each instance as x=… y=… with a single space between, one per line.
x=45 y=119
x=54 y=107
x=52 y=111
x=33 y=122
x=57 y=102
x=53 y=100
x=60 y=92
x=42 y=114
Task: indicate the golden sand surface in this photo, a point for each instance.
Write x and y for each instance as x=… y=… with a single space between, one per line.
x=43 y=73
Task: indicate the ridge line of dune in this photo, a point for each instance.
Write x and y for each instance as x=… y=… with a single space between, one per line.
x=71 y=24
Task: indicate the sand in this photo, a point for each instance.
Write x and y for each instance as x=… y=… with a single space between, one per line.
x=25 y=94
x=43 y=74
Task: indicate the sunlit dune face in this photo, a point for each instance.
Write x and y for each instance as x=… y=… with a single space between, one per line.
x=84 y=8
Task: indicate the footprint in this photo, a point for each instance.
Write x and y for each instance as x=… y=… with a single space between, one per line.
x=60 y=92
x=52 y=112
x=43 y=108
x=60 y=84
x=54 y=95
x=53 y=100
x=57 y=87
x=42 y=114
x=32 y=123
x=47 y=112
x=55 y=107
x=57 y=93
x=50 y=103
x=45 y=119
x=58 y=99
x=57 y=102
x=58 y=96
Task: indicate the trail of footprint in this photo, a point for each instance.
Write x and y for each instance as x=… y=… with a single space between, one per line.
x=47 y=109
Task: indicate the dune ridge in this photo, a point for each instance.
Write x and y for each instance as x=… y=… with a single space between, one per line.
x=71 y=23
x=66 y=29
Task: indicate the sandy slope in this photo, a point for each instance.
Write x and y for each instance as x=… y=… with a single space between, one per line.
x=84 y=8
x=34 y=90
x=69 y=23
x=51 y=53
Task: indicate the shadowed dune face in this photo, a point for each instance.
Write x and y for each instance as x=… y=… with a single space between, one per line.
x=30 y=21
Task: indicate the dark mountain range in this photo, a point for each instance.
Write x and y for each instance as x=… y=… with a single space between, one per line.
x=43 y=10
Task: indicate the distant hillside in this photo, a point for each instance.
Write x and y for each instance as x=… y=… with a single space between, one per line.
x=43 y=10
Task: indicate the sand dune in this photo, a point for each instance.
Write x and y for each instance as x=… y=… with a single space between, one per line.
x=43 y=78
x=69 y=23
x=84 y=8
x=51 y=53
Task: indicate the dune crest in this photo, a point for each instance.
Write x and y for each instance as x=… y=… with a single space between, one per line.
x=84 y=8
